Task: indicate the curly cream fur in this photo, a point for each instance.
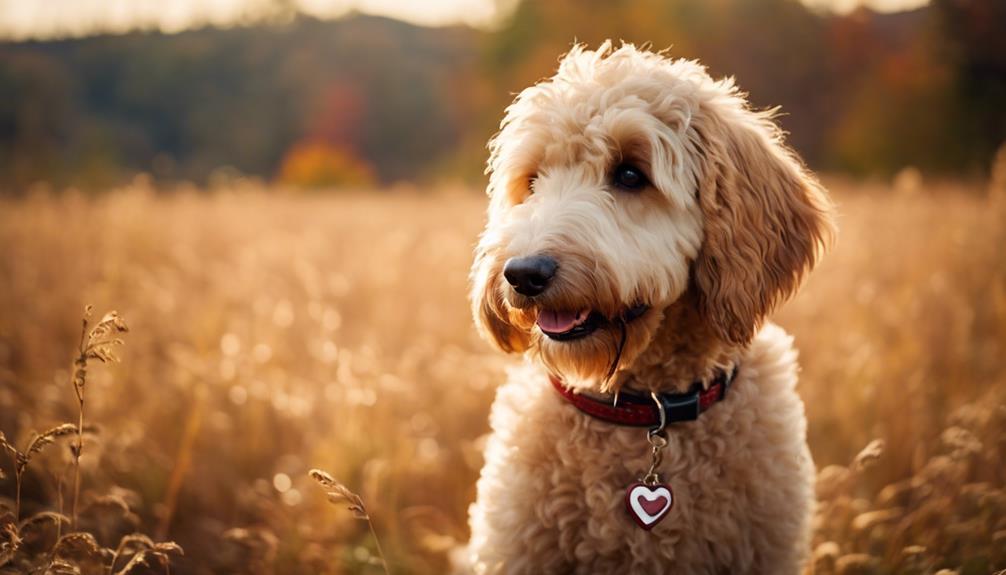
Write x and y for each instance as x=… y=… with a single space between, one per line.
x=725 y=230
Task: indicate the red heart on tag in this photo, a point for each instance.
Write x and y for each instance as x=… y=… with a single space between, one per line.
x=653 y=508
x=648 y=504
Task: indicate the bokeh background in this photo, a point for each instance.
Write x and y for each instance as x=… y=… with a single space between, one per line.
x=281 y=198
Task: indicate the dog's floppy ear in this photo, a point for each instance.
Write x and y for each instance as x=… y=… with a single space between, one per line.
x=490 y=312
x=766 y=220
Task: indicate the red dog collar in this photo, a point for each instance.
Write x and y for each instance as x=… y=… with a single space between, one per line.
x=642 y=411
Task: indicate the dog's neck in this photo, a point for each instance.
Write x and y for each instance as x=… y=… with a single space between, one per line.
x=685 y=349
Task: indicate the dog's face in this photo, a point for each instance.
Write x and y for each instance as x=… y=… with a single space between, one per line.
x=620 y=183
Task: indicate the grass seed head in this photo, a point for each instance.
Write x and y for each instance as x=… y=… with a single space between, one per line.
x=61 y=567
x=339 y=494
x=77 y=545
x=869 y=455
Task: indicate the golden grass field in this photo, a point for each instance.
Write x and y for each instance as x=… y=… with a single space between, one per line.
x=272 y=333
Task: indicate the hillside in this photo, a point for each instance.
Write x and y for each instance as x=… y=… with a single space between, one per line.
x=366 y=101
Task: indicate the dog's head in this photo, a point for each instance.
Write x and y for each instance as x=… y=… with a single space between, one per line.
x=618 y=184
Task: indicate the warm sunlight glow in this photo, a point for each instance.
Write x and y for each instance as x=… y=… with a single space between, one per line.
x=843 y=6
x=59 y=18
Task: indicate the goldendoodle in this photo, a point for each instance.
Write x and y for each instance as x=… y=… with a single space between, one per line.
x=642 y=222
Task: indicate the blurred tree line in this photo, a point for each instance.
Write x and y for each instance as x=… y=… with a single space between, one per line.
x=374 y=97
x=366 y=100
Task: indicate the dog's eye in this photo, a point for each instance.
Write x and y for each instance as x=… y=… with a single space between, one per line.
x=629 y=177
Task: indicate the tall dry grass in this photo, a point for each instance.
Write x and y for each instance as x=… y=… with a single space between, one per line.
x=274 y=333
x=38 y=544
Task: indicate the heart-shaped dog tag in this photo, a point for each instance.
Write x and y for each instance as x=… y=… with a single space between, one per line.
x=648 y=504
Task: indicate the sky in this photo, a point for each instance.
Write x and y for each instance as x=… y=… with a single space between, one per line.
x=21 y=19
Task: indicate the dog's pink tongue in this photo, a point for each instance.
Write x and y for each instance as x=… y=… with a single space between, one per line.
x=557 y=321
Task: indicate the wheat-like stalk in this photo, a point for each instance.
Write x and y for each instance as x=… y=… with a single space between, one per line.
x=16 y=457
x=76 y=543
x=10 y=541
x=145 y=547
x=23 y=458
x=97 y=344
x=869 y=455
x=71 y=550
x=339 y=494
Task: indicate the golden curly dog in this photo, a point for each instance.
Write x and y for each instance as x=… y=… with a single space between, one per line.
x=643 y=220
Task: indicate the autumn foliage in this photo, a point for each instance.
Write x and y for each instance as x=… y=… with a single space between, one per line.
x=315 y=164
x=864 y=92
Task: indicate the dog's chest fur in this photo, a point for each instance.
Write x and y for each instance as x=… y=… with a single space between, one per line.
x=742 y=478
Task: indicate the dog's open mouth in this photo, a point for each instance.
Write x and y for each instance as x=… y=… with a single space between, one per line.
x=566 y=325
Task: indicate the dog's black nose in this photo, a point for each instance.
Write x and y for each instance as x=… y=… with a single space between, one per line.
x=529 y=276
